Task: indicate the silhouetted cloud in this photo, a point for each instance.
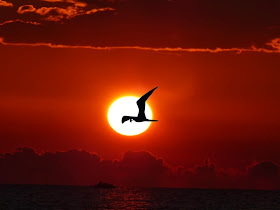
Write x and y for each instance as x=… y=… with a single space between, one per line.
x=74 y=167
x=56 y=10
x=264 y=175
x=275 y=44
x=26 y=8
x=75 y=3
x=198 y=26
x=5 y=4
x=18 y=21
x=142 y=169
x=80 y=167
x=56 y=13
x=99 y=10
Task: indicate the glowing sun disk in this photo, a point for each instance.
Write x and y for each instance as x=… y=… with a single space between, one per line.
x=127 y=106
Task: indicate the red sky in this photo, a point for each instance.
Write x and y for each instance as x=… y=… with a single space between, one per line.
x=216 y=64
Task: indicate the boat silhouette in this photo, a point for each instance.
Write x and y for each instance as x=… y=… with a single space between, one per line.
x=104 y=185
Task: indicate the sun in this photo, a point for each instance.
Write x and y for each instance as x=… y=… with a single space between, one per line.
x=127 y=106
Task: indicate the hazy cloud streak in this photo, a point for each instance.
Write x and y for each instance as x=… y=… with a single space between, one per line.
x=274 y=44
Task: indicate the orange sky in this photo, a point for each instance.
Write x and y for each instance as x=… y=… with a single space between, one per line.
x=217 y=69
x=207 y=104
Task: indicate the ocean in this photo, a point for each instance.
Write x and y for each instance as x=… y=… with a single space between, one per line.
x=86 y=197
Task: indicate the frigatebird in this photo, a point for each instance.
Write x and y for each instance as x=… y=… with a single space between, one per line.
x=141 y=103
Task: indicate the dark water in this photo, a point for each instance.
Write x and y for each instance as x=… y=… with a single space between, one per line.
x=80 y=197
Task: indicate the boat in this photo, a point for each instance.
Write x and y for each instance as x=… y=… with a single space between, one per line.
x=104 y=185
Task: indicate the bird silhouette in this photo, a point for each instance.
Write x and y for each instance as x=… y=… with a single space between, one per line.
x=141 y=103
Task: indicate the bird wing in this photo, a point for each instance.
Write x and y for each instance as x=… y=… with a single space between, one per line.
x=141 y=103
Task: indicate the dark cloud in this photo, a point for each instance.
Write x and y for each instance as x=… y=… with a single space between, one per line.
x=74 y=167
x=201 y=176
x=5 y=4
x=156 y=23
x=206 y=174
x=264 y=174
x=18 y=21
x=51 y=10
x=26 y=8
x=80 y=168
x=142 y=169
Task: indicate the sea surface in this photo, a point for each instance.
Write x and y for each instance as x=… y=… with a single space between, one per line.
x=86 y=197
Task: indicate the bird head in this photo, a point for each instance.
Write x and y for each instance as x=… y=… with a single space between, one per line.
x=125 y=118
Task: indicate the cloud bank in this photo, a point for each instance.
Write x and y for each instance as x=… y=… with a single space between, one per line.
x=141 y=169
x=192 y=26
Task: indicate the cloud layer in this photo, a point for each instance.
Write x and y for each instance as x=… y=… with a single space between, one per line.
x=196 y=26
x=141 y=169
